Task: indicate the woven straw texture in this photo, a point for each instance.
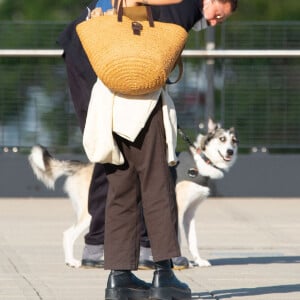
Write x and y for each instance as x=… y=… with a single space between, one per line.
x=131 y=64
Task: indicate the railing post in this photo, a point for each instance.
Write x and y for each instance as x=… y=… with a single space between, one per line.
x=210 y=64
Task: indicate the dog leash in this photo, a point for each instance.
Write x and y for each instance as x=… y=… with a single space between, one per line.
x=185 y=137
x=201 y=153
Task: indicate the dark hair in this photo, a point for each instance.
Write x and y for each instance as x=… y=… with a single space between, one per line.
x=232 y=2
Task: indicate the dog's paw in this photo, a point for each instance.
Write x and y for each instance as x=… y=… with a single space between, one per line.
x=73 y=263
x=200 y=262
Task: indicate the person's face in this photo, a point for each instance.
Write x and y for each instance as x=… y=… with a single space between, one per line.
x=215 y=11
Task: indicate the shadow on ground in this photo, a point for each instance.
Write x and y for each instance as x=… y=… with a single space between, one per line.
x=255 y=260
x=243 y=292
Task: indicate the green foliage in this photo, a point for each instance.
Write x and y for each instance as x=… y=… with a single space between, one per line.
x=40 y=10
x=252 y=10
x=11 y=89
x=247 y=104
x=268 y=10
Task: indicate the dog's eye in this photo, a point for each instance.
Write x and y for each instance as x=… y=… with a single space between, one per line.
x=223 y=139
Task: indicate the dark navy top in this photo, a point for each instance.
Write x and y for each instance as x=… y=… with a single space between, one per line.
x=186 y=13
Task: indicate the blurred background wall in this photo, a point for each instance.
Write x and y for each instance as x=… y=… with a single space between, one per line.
x=258 y=96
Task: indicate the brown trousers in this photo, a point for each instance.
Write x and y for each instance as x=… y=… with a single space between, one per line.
x=145 y=171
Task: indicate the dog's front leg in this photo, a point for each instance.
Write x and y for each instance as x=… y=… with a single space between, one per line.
x=194 y=195
x=193 y=241
x=182 y=203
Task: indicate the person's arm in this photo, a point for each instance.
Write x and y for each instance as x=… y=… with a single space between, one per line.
x=159 y=2
x=152 y=2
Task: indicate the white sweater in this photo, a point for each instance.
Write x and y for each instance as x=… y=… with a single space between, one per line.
x=126 y=116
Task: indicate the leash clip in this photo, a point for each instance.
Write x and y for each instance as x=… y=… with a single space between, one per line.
x=192 y=172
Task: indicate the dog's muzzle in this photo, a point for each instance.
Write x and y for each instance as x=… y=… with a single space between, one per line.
x=229 y=154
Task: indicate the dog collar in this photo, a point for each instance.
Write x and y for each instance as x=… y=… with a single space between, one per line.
x=198 y=151
x=194 y=172
x=206 y=159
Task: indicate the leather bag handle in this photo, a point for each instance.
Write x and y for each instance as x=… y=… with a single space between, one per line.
x=178 y=63
x=120 y=12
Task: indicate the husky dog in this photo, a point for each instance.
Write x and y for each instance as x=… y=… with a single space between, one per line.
x=210 y=156
x=78 y=177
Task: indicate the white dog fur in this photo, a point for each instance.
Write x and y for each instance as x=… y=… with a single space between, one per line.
x=214 y=154
x=78 y=178
x=219 y=147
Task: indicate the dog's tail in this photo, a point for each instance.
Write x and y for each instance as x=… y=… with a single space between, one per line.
x=47 y=169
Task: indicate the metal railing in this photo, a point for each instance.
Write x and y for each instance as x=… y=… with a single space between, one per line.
x=256 y=125
x=186 y=53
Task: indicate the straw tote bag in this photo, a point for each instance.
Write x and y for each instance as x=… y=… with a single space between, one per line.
x=129 y=52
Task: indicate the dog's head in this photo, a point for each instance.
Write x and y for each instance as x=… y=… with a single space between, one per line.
x=219 y=145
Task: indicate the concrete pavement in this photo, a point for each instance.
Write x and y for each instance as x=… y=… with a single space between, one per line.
x=253 y=245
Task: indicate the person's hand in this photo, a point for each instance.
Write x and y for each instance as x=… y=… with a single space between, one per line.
x=129 y=3
x=96 y=12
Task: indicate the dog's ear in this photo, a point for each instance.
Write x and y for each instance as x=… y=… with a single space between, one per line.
x=233 y=132
x=212 y=126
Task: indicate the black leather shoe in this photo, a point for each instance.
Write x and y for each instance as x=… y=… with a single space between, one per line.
x=165 y=285
x=123 y=285
x=89 y=263
x=180 y=263
x=145 y=264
